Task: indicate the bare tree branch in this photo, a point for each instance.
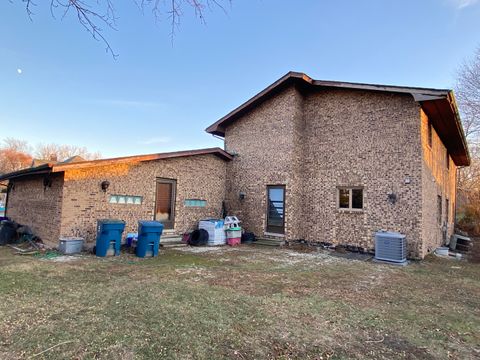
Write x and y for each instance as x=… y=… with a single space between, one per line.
x=97 y=15
x=468 y=96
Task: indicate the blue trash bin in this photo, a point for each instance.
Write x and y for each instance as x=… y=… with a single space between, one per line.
x=109 y=237
x=149 y=233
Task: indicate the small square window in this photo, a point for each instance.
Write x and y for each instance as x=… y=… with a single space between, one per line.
x=350 y=198
x=195 y=203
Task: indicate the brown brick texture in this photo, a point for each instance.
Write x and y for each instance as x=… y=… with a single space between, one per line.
x=31 y=203
x=318 y=141
x=198 y=177
x=437 y=180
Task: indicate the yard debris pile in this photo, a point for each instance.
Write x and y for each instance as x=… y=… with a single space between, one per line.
x=12 y=232
x=341 y=248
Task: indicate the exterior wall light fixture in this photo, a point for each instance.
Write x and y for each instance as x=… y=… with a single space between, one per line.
x=105 y=184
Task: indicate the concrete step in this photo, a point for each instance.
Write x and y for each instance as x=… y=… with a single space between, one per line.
x=172 y=245
x=269 y=242
x=171 y=241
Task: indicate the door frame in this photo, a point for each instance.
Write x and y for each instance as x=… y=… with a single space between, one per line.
x=169 y=225
x=267 y=228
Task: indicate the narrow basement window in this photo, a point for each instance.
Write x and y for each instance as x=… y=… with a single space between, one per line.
x=125 y=199
x=195 y=203
x=350 y=198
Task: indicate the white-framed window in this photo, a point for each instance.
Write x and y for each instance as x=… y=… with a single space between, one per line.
x=350 y=198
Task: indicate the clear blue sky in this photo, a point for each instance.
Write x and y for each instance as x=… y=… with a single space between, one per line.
x=157 y=97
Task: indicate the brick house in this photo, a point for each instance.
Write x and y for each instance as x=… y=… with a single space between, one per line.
x=66 y=199
x=303 y=159
x=336 y=162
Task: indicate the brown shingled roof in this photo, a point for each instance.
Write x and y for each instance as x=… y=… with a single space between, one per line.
x=438 y=104
x=60 y=167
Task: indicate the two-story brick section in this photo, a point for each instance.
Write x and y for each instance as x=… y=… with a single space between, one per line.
x=336 y=162
x=304 y=159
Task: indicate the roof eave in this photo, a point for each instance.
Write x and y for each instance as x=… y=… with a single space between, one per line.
x=143 y=158
x=218 y=128
x=42 y=169
x=458 y=121
x=444 y=116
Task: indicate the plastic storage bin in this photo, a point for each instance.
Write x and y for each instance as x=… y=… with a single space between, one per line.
x=234 y=236
x=70 y=245
x=131 y=240
x=109 y=237
x=216 y=232
x=231 y=222
x=148 y=242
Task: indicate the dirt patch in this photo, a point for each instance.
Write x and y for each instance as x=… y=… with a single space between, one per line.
x=202 y=249
x=474 y=255
x=62 y=258
x=243 y=303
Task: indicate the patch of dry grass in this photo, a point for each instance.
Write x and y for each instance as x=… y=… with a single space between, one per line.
x=241 y=303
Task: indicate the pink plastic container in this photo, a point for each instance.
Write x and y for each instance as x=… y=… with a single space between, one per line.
x=234 y=241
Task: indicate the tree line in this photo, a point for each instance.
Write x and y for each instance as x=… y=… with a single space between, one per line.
x=467 y=92
x=16 y=154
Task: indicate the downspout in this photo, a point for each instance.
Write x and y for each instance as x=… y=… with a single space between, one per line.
x=220 y=138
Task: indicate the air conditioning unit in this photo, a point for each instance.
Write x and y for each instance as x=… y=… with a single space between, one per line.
x=391 y=247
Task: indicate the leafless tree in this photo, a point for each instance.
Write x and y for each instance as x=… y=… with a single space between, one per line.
x=468 y=96
x=56 y=152
x=96 y=15
x=17 y=154
x=14 y=155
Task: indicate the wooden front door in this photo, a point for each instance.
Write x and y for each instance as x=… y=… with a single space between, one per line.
x=276 y=209
x=165 y=202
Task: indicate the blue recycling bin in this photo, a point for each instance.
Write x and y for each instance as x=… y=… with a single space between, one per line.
x=109 y=237
x=149 y=233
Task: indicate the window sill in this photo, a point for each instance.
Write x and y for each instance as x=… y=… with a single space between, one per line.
x=351 y=211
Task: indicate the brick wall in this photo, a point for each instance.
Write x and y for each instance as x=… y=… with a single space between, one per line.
x=369 y=140
x=32 y=204
x=437 y=180
x=267 y=141
x=198 y=177
x=314 y=143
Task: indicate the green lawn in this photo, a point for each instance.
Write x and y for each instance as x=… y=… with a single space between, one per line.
x=245 y=303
